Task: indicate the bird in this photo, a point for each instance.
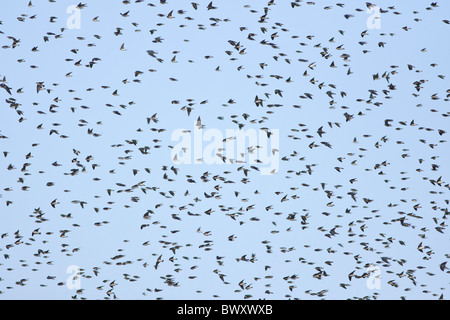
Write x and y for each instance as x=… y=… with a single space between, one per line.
x=158 y=261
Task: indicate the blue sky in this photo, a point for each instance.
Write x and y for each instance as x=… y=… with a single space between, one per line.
x=412 y=154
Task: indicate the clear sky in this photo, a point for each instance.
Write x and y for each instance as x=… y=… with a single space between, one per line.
x=87 y=177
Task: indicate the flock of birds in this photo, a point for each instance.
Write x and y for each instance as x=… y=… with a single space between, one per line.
x=87 y=178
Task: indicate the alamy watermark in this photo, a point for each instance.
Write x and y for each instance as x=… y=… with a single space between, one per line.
x=374 y=21
x=74 y=280
x=374 y=279
x=256 y=147
x=74 y=20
